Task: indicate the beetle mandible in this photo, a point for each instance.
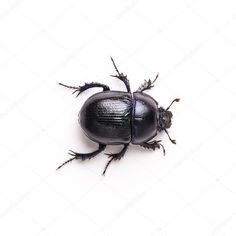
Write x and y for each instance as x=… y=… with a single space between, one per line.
x=120 y=118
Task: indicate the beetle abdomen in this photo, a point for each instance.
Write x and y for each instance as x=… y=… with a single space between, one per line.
x=106 y=117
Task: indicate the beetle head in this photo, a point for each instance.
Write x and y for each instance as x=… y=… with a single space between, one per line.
x=165 y=117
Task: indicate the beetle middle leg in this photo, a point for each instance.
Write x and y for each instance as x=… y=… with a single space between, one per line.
x=115 y=156
x=153 y=145
x=121 y=76
x=86 y=86
x=83 y=156
x=147 y=84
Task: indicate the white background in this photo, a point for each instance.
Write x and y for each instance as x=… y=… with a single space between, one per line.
x=190 y=191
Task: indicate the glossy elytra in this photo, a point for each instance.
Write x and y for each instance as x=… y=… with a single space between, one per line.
x=121 y=118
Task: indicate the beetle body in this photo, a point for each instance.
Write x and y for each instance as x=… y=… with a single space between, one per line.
x=115 y=117
x=121 y=118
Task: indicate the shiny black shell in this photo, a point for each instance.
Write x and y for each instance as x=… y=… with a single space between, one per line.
x=115 y=117
x=144 y=118
x=106 y=117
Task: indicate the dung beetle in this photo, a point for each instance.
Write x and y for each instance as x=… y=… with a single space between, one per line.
x=120 y=118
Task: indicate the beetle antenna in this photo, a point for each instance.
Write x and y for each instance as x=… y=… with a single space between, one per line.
x=175 y=100
x=172 y=140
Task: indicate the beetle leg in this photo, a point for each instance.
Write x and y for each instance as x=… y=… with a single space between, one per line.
x=83 y=156
x=121 y=76
x=86 y=86
x=115 y=156
x=147 y=84
x=153 y=145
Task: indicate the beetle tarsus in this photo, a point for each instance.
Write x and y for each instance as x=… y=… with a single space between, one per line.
x=147 y=84
x=115 y=66
x=153 y=145
x=83 y=156
x=67 y=86
x=115 y=156
x=86 y=86
x=121 y=76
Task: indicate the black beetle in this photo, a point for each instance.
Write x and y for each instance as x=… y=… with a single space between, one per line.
x=121 y=118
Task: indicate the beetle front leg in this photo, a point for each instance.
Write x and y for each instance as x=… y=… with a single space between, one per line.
x=86 y=86
x=147 y=84
x=121 y=76
x=153 y=145
x=115 y=156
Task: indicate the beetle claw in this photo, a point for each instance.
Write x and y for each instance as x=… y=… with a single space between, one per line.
x=113 y=155
x=108 y=154
x=77 y=91
x=72 y=153
x=116 y=76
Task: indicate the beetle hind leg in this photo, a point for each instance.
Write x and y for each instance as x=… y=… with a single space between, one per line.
x=115 y=156
x=83 y=156
x=121 y=76
x=86 y=86
x=153 y=145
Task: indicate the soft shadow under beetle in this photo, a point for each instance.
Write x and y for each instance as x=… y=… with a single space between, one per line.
x=120 y=118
